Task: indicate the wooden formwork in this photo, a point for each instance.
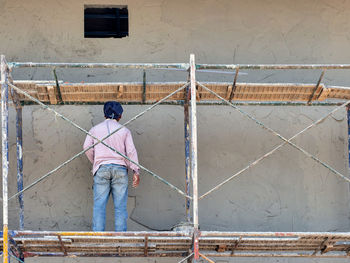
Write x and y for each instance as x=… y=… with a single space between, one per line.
x=178 y=244
x=50 y=93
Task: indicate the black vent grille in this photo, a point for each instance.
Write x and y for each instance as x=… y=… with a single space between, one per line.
x=106 y=22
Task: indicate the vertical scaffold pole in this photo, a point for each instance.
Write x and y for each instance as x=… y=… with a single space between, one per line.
x=19 y=150
x=194 y=157
x=187 y=153
x=5 y=154
x=19 y=143
x=348 y=114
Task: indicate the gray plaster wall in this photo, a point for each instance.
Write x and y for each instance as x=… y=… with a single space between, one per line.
x=285 y=192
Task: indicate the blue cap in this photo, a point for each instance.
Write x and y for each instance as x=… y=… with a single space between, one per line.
x=112 y=110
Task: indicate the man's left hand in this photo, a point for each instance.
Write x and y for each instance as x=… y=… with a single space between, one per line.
x=135 y=180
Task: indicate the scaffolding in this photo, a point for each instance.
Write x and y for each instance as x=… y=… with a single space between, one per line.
x=188 y=242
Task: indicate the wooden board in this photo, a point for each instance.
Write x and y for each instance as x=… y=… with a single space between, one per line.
x=178 y=244
x=71 y=93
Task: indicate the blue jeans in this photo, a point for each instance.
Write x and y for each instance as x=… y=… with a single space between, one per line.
x=110 y=178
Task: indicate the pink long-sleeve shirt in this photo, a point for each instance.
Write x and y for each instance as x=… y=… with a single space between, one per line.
x=121 y=141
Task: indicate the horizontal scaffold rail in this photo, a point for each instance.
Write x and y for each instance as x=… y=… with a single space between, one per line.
x=272 y=66
x=100 y=65
x=49 y=92
x=178 y=244
x=176 y=65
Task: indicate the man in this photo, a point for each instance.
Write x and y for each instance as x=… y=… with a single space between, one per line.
x=110 y=169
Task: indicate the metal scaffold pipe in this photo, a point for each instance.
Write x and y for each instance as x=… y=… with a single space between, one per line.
x=272 y=66
x=19 y=147
x=187 y=154
x=99 y=65
x=194 y=164
x=5 y=154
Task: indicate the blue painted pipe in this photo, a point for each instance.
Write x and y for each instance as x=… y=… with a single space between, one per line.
x=348 y=110
x=19 y=142
x=187 y=155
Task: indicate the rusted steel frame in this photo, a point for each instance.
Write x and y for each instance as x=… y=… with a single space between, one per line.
x=275 y=234
x=206 y=258
x=187 y=154
x=296 y=255
x=234 y=84
x=186 y=258
x=316 y=87
x=273 y=66
x=260 y=245
x=98 y=141
x=194 y=164
x=291 y=255
x=99 y=65
x=286 y=141
x=5 y=153
x=266 y=248
x=87 y=254
x=64 y=250
x=146 y=246
x=86 y=233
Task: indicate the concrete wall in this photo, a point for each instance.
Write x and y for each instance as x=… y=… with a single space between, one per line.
x=286 y=192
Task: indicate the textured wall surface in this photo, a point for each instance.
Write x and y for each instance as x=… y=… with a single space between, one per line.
x=285 y=192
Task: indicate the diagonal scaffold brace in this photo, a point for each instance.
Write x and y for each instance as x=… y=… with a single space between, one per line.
x=286 y=141
x=98 y=141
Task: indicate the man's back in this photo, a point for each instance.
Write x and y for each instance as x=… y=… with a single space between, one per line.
x=120 y=141
x=109 y=167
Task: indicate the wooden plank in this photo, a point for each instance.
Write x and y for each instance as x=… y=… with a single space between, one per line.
x=134 y=92
x=52 y=94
